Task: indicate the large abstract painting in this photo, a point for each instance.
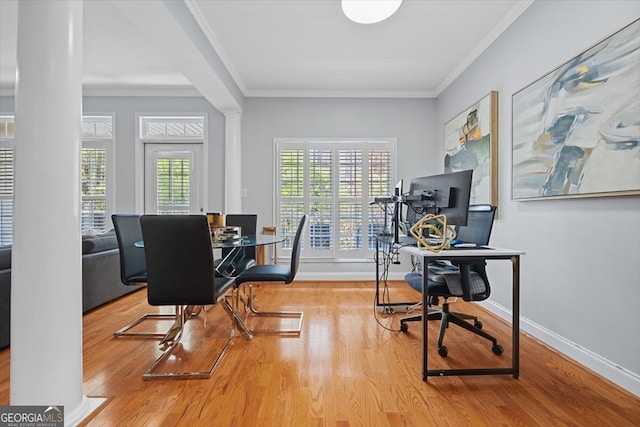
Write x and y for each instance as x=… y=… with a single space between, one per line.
x=576 y=130
x=471 y=142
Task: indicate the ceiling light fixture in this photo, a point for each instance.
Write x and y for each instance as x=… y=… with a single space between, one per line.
x=369 y=11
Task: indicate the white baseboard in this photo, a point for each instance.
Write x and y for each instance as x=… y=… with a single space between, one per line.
x=344 y=276
x=84 y=410
x=626 y=379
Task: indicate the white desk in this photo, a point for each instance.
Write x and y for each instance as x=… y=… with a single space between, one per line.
x=488 y=253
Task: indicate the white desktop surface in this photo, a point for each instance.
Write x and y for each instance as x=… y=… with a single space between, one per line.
x=487 y=251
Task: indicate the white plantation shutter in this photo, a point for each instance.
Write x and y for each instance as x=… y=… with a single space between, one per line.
x=6 y=196
x=292 y=191
x=7 y=145
x=97 y=140
x=333 y=182
x=380 y=178
x=173 y=184
x=94 y=189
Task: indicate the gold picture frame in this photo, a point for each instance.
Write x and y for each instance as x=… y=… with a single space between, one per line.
x=471 y=142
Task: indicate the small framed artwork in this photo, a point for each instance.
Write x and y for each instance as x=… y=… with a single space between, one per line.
x=576 y=130
x=471 y=142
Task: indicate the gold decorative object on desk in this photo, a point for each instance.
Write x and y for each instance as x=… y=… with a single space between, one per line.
x=436 y=226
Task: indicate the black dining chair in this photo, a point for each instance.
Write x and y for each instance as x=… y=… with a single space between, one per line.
x=268 y=273
x=133 y=270
x=180 y=273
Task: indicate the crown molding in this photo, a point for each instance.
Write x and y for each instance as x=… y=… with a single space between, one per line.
x=140 y=91
x=126 y=91
x=483 y=45
x=339 y=94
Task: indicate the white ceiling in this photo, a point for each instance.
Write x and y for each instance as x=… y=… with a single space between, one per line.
x=283 y=47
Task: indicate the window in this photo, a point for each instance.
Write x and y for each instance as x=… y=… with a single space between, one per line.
x=97 y=140
x=7 y=145
x=172 y=128
x=333 y=182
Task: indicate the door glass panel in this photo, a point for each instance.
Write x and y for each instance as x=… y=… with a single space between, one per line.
x=173 y=185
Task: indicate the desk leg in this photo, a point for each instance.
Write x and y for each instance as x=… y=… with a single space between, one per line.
x=515 y=321
x=425 y=315
x=377 y=261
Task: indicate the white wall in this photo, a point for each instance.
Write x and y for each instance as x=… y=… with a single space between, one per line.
x=581 y=274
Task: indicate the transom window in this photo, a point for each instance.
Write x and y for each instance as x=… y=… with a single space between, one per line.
x=171 y=128
x=333 y=182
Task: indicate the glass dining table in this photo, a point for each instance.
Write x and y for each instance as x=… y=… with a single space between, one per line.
x=232 y=264
x=227 y=266
x=248 y=241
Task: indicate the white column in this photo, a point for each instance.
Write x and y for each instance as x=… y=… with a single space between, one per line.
x=232 y=163
x=46 y=271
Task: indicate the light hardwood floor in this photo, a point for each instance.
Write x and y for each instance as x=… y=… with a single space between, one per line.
x=345 y=369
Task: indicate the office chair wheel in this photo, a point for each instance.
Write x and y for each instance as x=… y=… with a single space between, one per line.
x=442 y=351
x=477 y=324
x=497 y=349
x=404 y=327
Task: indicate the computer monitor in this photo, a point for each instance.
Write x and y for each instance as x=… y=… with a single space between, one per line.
x=397 y=210
x=398 y=188
x=446 y=194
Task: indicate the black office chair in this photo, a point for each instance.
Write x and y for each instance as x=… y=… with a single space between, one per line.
x=180 y=273
x=133 y=270
x=466 y=280
x=236 y=260
x=268 y=273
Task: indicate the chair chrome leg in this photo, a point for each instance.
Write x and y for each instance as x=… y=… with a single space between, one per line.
x=232 y=308
x=124 y=331
x=189 y=312
x=194 y=310
x=150 y=374
x=281 y=314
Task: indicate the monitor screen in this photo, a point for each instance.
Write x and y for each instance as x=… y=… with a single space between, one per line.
x=398 y=216
x=398 y=189
x=446 y=194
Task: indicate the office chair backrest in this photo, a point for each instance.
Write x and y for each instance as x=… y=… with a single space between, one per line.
x=179 y=260
x=133 y=267
x=248 y=224
x=479 y=225
x=295 y=251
